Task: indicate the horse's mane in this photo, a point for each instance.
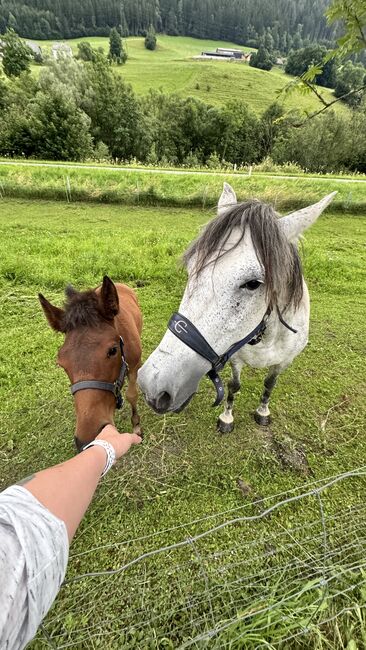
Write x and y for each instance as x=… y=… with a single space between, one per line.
x=82 y=309
x=279 y=258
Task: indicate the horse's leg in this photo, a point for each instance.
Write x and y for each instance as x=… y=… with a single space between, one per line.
x=131 y=396
x=262 y=415
x=225 y=423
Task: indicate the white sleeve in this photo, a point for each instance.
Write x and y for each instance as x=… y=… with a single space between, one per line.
x=34 y=551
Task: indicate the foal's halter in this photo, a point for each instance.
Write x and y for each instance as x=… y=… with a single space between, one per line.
x=114 y=387
x=188 y=333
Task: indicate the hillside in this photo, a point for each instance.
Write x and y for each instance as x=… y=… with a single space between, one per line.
x=171 y=68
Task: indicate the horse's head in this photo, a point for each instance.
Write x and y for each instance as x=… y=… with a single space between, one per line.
x=244 y=262
x=90 y=352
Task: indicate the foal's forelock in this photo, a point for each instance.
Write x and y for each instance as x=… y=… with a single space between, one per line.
x=279 y=257
x=82 y=309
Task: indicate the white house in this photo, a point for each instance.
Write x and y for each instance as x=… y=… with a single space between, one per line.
x=61 y=51
x=35 y=48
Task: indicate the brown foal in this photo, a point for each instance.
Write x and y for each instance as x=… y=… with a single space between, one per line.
x=93 y=322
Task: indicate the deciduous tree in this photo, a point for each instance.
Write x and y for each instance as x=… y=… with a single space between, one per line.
x=16 y=56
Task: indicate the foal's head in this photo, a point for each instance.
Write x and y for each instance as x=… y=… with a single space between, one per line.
x=91 y=351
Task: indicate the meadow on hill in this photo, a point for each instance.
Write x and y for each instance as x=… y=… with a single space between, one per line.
x=172 y=69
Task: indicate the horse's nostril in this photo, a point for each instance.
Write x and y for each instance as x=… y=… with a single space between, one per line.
x=163 y=401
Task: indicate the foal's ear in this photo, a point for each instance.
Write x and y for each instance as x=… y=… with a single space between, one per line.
x=53 y=314
x=109 y=298
x=227 y=199
x=296 y=222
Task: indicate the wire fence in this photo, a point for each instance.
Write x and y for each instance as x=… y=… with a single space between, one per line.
x=261 y=575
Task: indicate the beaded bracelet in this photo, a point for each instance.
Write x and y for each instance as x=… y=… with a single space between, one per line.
x=109 y=450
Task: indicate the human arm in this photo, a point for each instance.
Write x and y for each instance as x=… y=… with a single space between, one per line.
x=37 y=521
x=66 y=490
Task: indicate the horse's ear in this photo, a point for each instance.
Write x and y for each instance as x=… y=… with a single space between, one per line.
x=109 y=298
x=70 y=292
x=54 y=315
x=295 y=223
x=227 y=199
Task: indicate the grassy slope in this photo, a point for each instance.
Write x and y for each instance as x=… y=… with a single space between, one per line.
x=171 y=68
x=184 y=470
x=153 y=188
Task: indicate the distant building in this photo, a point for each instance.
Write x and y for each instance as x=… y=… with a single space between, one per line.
x=61 y=51
x=229 y=52
x=225 y=54
x=37 y=52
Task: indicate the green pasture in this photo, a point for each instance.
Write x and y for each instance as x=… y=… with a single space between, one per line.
x=171 y=68
x=255 y=583
x=167 y=188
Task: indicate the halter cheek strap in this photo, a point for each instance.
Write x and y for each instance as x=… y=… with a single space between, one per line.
x=114 y=387
x=186 y=332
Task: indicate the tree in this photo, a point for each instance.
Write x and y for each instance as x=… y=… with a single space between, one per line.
x=86 y=52
x=16 y=57
x=297 y=38
x=272 y=126
x=268 y=40
x=3 y=92
x=115 y=113
x=300 y=61
x=240 y=141
x=328 y=142
x=150 y=39
x=261 y=59
x=350 y=77
x=352 y=14
x=60 y=129
x=116 y=51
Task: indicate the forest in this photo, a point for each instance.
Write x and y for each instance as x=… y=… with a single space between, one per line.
x=291 y=23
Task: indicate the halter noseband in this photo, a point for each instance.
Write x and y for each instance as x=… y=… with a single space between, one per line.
x=188 y=333
x=114 y=387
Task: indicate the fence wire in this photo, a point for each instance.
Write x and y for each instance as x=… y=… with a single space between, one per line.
x=258 y=576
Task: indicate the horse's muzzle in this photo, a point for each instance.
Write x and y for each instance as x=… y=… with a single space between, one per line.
x=163 y=404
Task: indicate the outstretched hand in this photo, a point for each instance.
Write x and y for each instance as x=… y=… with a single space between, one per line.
x=121 y=442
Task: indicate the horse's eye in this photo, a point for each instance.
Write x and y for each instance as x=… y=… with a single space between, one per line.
x=252 y=285
x=112 y=351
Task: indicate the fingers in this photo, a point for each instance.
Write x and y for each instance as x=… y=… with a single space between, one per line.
x=136 y=440
x=121 y=442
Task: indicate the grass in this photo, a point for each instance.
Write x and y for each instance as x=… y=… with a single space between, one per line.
x=171 y=68
x=149 y=187
x=260 y=581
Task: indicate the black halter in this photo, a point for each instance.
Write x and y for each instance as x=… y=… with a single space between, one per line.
x=186 y=332
x=114 y=388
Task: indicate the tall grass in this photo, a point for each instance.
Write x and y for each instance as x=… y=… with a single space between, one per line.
x=114 y=185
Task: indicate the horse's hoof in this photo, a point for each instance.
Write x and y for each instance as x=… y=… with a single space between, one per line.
x=139 y=431
x=225 y=427
x=262 y=420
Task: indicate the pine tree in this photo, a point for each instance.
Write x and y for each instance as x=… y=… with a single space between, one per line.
x=116 y=51
x=150 y=39
x=261 y=59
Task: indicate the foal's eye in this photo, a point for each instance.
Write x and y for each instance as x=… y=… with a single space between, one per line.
x=112 y=351
x=252 y=285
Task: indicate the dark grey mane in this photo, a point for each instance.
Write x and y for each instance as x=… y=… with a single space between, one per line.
x=82 y=309
x=279 y=258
